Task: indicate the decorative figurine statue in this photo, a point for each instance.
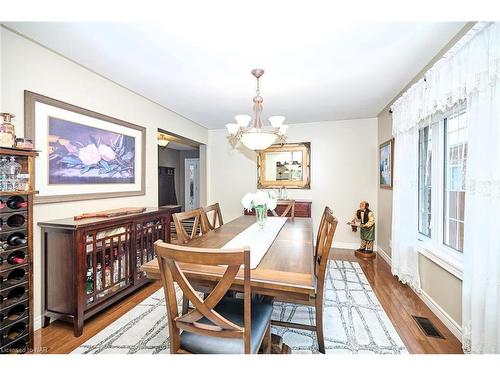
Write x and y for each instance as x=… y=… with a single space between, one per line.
x=365 y=219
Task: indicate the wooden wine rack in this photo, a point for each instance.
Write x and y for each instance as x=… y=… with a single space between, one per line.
x=16 y=279
x=91 y=263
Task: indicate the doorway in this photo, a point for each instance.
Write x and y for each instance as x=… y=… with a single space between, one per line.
x=180 y=171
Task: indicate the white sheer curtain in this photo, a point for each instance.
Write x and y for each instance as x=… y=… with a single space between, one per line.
x=470 y=71
x=481 y=284
x=404 y=258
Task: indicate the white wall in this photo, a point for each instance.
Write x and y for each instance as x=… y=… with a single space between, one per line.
x=344 y=170
x=28 y=66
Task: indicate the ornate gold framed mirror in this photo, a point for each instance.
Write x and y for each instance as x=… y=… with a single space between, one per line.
x=286 y=165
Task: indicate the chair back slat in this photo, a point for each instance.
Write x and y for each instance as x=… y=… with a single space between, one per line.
x=192 y=221
x=327 y=228
x=289 y=208
x=169 y=258
x=216 y=219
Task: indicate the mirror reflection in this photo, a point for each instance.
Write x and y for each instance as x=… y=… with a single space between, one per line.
x=284 y=166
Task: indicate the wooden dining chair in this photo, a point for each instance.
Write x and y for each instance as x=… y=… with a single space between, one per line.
x=190 y=221
x=324 y=240
x=213 y=209
x=216 y=324
x=289 y=207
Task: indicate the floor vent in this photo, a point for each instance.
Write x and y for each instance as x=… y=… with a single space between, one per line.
x=427 y=327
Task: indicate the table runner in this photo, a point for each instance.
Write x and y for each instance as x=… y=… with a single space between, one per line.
x=259 y=240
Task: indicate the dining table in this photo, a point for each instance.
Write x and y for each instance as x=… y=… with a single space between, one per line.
x=285 y=272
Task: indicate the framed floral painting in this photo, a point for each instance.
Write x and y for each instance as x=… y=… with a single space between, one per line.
x=83 y=154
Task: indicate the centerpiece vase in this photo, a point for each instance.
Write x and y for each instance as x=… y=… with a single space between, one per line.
x=261 y=215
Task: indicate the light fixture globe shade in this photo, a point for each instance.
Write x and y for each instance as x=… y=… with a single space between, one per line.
x=162 y=142
x=242 y=120
x=283 y=128
x=276 y=121
x=258 y=140
x=232 y=128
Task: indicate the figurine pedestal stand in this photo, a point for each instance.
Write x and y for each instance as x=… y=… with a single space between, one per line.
x=363 y=254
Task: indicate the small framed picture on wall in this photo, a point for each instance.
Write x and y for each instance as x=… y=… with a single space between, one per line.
x=386 y=164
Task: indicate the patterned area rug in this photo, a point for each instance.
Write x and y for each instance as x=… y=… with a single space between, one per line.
x=354 y=322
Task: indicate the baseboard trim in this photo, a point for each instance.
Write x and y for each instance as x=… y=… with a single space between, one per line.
x=384 y=255
x=346 y=245
x=37 y=323
x=447 y=320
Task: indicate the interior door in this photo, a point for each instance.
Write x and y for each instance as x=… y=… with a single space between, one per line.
x=192 y=184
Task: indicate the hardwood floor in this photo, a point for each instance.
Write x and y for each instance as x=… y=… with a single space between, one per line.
x=58 y=337
x=398 y=301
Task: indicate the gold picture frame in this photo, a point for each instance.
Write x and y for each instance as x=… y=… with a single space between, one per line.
x=300 y=179
x=386 y=164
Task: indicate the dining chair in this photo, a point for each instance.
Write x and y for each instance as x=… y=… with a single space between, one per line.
x=324 y=240
x=216 y=324
x=192 y=221
x=216 y=218
x=289 y=207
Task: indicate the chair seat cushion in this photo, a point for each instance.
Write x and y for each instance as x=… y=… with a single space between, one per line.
x=231 y=309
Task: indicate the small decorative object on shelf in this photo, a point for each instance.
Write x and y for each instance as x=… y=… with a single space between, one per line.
x=261 y=201
x=16 y=250
x=7 y=133
x=24 y=143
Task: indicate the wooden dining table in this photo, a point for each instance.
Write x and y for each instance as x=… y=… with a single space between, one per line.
x=285 y=272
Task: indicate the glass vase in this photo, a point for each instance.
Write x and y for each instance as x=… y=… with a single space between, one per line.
x=261 y=215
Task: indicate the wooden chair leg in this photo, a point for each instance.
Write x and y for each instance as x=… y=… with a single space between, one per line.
x=319 y=325
x=267 y=340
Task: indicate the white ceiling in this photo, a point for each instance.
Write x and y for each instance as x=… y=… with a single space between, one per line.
x=199 y=66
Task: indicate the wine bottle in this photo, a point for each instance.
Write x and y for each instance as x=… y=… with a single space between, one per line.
x=16 y=202
x=16 y=258
x=90 y=282
x=17 y=239
x=99 y=277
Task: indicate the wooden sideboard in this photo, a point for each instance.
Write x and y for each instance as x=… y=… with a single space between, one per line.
x=90 y=264
x=302 y=209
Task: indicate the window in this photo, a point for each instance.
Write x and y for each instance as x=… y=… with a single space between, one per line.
x=425 y=181
x=442 y=166
x=455 y=147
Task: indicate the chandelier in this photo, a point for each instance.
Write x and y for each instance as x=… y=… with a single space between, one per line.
x=252 y=132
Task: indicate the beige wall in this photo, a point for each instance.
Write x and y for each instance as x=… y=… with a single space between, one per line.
x=343 y=171
x=28 y=66
x=444 y=288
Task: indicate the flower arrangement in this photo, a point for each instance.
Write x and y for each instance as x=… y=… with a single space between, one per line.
x=261 y=201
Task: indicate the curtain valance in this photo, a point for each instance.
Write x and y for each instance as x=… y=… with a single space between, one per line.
x=473 y=64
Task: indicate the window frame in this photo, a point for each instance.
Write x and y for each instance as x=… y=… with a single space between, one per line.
x=434 y=247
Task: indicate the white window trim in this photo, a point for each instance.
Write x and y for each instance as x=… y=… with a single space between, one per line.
x=434 y=248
